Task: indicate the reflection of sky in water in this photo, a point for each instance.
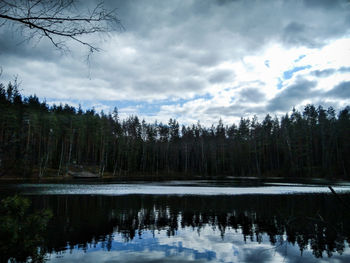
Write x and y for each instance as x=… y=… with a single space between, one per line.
x=153 y=189
x=191 y=245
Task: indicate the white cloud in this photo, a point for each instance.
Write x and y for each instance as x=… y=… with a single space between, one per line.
x=222 y=58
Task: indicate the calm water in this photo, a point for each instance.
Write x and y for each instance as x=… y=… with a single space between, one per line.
x=199 y=221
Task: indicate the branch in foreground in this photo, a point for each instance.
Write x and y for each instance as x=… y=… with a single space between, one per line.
x=339 y=198
x=58 y=20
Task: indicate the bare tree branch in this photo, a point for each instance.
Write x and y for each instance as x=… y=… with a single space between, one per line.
x=58 y=20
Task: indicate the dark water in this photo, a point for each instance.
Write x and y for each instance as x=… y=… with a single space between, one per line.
x=130 y=223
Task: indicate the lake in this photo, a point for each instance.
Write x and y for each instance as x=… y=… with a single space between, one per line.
x=232 y=220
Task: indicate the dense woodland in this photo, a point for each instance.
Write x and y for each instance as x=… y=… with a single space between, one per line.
x=41 y=140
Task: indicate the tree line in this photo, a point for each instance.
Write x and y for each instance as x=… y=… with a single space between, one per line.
x=40 y=140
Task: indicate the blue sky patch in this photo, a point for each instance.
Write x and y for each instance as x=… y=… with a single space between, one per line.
x=280 y=83
x=300 y=58
x=289 y=73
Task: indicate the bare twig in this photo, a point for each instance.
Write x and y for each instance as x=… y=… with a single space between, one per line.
x=58 y=20
x=339 y=198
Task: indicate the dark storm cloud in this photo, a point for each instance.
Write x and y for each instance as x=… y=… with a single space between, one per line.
x=255 y=24
x=252 y=95
x=220 y=76
x=344 y=69
x=298 y=34
x=323 y=73
x=190 y=22
x=323 y=23
x=325 y=4
x=329 y=71
x=12 y=44
x=341 y=91
x=292 y=95
x=257 y=254
x=294 y=28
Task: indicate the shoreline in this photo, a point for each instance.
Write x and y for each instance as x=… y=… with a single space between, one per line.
x=160 y=178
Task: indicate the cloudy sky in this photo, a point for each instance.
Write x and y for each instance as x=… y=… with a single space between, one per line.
x=196 y=60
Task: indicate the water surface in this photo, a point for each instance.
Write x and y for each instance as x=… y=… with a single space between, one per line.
x=196 y=221
x=199 y=187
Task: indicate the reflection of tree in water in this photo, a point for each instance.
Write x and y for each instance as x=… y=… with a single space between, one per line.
x=21 y=232
x=314 y=220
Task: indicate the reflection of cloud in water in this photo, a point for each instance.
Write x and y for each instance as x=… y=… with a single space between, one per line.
x=231 y=248
x=122 y=256
x=190 y=245
x=227 y=249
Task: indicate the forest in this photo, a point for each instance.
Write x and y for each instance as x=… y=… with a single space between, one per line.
x=38 y=140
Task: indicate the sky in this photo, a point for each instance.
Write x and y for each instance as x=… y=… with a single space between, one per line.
x=195 y=60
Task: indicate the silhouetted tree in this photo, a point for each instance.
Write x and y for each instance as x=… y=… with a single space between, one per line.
x=57 y=20
x=36 y=139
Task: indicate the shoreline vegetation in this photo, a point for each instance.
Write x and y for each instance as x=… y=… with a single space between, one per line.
x=41 y=141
